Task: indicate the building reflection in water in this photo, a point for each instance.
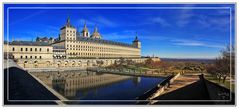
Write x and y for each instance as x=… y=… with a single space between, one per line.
x=69 y=84
x=136 y=80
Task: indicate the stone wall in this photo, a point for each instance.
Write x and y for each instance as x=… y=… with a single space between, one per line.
x=29 y=52
x=68 y=63
x=218 y=92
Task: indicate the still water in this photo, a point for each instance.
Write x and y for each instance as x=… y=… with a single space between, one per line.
x=82 y=85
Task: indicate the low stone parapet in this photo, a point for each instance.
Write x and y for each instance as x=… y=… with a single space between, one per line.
x=159 y=89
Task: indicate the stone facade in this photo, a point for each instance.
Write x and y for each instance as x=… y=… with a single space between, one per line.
x=81 y=45
x=72 y=49
x=18 y=51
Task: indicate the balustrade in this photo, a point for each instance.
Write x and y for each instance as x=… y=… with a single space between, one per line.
x=123 y=71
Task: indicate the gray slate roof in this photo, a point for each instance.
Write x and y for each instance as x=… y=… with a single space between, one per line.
x=102 y=41
x=28 y=43
x=59 y=47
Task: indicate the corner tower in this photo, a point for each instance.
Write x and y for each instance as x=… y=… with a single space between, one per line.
x=136 y=42
x=68 y=32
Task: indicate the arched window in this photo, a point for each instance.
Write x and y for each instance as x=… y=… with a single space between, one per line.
x=13 y=49
x=26 y=49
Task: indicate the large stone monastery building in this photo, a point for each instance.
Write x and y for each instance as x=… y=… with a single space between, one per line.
x=83 y=45
x=72 y=48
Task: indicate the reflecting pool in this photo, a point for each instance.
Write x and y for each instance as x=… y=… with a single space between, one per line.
x=83 y=85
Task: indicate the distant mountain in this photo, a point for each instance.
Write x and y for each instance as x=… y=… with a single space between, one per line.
x=188 y=60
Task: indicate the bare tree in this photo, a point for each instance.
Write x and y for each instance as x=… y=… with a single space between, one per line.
x=224 y=64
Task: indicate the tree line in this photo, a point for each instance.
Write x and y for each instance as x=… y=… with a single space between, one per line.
x=224 y=64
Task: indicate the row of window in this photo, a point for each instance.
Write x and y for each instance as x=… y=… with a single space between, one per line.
x=70 y=38
x=31 y=49
x=104 y=50
x=71 y=31
x=30 y=57
x=95 y=43
x=99 y=54
x=92 y=47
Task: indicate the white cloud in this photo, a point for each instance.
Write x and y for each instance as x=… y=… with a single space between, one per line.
x=213 y=23
x=160 y=21
x=92 y=22
x=104 y=21
x=184 y=17
x=81 y=22
x=116 y=36
x=183 y=42
x=27 y=17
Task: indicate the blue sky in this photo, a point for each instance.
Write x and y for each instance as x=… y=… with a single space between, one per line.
x=171 y=30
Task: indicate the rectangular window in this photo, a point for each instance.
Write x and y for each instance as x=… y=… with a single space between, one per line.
x=30 y=49
x=26 y=49
x=35 y=49
x=13 y=49
x=35 y=57
x=21 y=49
x=40 y=49
x=47 y=49
x=26 y=57
x=21 y=57
x=31 y=57
x=40 y=57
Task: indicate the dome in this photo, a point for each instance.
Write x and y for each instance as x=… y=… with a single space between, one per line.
x=96 y=34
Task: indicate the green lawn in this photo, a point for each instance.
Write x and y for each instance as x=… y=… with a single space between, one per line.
x=215 y=80
x=133 y=67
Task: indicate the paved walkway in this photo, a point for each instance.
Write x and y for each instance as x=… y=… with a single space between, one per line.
x=180 y=82
x=23 y=88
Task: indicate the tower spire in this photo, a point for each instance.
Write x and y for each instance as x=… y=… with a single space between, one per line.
x=68 y=20
x=96 y=29
x=136 y=37
x=85 y=31
x=136 y=41
x=12 y=38
x=85 y=25
x=78 y=28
